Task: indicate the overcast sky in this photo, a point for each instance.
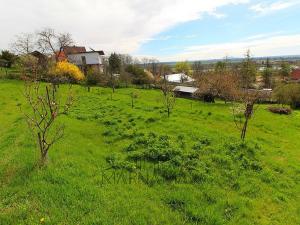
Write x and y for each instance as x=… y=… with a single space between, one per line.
x=169 y=30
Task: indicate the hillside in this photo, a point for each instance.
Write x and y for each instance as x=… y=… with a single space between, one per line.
x=205 y=174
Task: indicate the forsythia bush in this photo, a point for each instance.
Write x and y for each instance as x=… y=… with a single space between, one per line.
x=67 y=70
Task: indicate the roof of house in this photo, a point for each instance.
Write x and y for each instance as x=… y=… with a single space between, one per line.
x=73 y=49
x=38 y=54
x=296 y=74
x=178 y=78
x=185 y=89
x=87 y=52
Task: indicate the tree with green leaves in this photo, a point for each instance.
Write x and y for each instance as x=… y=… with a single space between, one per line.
x=139 y=76
x=268 y=74
x=114 y=68
x=220 y=67
x=9 y=57
x=183 y=67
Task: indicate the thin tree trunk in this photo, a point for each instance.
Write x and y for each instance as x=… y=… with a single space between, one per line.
x=244 y=130
x=132 y=104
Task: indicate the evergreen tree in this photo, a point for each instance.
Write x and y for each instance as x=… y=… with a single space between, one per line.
x=268 y=74
x=114 y=67
x=248 y=71
x=285 y=70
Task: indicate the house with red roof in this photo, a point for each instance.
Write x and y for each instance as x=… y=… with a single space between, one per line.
x=84 y=59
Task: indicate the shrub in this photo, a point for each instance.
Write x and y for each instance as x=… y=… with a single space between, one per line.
x=64 y=70
x=138 y=74
x=280 y=110
x=93 y=77
x=288 y=94
x=28 y=65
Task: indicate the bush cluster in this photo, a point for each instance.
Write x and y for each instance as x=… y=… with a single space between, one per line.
x=65 y=70
x=280 y=110
x=200 y=163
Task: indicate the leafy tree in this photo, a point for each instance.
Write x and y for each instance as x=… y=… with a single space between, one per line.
x=220 y=67
x=268 y=74
x=288 y=94
x=139 y=76
x=9 y=57
x=92 y=78
x=183 y=67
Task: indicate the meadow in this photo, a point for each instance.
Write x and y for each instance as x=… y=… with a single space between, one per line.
x=205 y=174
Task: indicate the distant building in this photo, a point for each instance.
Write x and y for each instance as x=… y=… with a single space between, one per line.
x=179 y=78
x=185 y=92
x=295 y=75
x=42 y=58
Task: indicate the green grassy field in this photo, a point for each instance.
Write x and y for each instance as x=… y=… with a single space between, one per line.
x=206 y=175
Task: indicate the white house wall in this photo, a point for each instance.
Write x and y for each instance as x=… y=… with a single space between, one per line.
x=92 y=58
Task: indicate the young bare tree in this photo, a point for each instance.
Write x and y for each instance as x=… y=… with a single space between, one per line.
x=51 y=42
x=169 y=97
x=29 y=67
x=198 y=69
x=24 y=43
x=46 y=107
x=244 y=108
x=133 y=95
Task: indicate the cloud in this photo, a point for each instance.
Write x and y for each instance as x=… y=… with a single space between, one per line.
x=112 y=25
x=267 y=7
x=264 y=35
x=217 y=15
x=271 y=46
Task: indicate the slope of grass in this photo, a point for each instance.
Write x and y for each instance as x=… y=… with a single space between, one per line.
x=205 y=175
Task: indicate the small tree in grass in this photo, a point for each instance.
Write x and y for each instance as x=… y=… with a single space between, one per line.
x=46 y=106
x=169 y=97
x=133 y=95
x=92 y=78
x=243 y=109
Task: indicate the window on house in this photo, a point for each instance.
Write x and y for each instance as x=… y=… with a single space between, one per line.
x=83 y=59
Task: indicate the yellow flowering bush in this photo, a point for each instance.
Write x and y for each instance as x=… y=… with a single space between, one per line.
x=67 y=70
